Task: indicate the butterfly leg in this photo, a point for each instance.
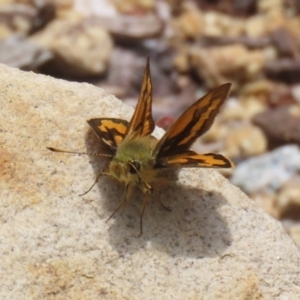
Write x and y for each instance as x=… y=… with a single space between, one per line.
x=164 y=206
x=147 y=192
x=127 y=187
x=93 y=183
x=142 y=213
x=159 y=183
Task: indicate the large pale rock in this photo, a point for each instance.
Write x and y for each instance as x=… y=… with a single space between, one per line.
x=54 y=244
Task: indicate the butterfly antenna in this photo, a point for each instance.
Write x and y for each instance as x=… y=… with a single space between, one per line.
x=75 y=152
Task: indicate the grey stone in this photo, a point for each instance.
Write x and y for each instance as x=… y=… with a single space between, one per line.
x=267 y=172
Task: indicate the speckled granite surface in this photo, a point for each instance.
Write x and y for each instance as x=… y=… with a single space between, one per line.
x=54 y=244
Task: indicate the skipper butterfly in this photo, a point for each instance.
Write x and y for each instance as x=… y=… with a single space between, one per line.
x=136 y=157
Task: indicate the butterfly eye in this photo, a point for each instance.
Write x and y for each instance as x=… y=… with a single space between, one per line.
x=134 y=167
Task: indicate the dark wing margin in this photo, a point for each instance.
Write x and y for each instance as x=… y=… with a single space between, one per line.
x=193 y=123
x=142 y=123
x=110 y=131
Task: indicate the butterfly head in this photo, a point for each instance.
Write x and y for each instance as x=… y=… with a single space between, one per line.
x=124 y=171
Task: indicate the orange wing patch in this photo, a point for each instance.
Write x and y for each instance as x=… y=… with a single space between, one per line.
x=111 y=131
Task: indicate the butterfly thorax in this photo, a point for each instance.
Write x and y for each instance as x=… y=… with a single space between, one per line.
x=133 y=163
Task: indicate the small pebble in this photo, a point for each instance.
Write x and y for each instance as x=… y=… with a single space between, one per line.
x=245 y=141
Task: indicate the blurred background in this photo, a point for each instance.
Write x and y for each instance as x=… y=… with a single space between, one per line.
x=194 y=46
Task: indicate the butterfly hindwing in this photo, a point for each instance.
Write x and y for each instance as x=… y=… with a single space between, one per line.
x=110 y=131
x=142 y=123
x=191 y=159
x=194 y=122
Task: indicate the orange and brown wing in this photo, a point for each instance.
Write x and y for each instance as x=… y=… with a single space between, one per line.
x=110 y=131
x=194 y=122
x=142 y=123
x=191 y=159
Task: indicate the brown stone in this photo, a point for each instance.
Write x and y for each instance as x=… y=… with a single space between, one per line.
x=281 y=125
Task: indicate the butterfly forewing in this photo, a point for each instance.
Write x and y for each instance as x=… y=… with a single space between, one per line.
x=142 y=123
x=194 y=122
x=110 y=131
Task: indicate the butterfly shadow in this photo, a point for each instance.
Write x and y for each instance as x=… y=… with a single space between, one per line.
x=194 y=227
